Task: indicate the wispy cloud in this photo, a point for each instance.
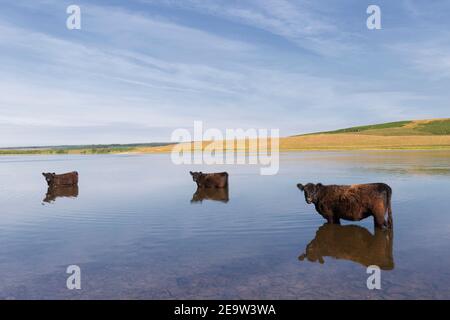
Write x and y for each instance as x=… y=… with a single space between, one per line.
x=431 y=57
x=299 y=22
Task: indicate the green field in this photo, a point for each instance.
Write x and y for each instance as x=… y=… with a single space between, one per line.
x=398 y=128
x=438 y=127
x=382 y=126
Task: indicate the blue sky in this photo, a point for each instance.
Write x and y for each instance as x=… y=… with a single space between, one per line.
x=139 y=69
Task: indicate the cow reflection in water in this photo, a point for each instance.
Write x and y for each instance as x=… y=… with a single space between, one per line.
x=215 y=194
x=60 y=192
x=353 y=243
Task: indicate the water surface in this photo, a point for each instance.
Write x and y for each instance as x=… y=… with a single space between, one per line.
x=138 y=229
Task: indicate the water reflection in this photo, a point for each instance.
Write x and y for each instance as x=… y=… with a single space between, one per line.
x=353 y=243
x=60 y=192
x=215 y=194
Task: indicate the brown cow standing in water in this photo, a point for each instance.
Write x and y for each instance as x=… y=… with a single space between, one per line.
x=54 y=192
x=210 y=180
x=215 y=194
x=354 y=202
x=66 y=179
x=353 y=243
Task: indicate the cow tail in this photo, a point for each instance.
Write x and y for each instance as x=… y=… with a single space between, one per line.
x=389 y=208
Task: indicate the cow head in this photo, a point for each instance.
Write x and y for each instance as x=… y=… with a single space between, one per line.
x=196 y=176
x=311 y=191
x=313 y=253
x=49 y=177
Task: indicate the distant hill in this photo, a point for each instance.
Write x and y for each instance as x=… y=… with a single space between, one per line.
x=414 y=134
x=431 y=134
x=400 y=128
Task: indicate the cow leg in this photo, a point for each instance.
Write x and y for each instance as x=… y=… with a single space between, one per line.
x=378 y=211
x=379 y=221
x=390 y=223
x=333 y=220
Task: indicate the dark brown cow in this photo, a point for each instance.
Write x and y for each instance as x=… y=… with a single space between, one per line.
x=353 y=243
x=54 y=192
x=215 y=194
x=66 y=179
x=353 y=202
x=210 y=180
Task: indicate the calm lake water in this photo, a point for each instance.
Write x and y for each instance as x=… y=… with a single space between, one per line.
x=135 y=232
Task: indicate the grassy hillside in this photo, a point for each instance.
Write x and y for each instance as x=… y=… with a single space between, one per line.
x=378 y=127
x=411 y=135
x=416 y=134
x=436 y=127
x=399 y=128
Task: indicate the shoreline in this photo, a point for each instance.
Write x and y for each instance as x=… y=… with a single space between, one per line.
x=317 y=142
x=281 y=150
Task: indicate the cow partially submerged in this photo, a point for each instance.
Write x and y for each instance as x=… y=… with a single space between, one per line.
x=65 y=179
x=214 y=194
x=210 y=180
x=351 y=202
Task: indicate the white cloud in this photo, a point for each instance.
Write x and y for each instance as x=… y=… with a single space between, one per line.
x=429 y=56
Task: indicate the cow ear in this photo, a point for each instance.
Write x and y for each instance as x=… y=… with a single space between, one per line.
x=53 y=173
x=301 y=187
x=191 y=173
x=43 y=173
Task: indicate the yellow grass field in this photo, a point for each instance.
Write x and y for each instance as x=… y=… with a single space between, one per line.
x=360 y=142
x=415 y=135
x=333 y=142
